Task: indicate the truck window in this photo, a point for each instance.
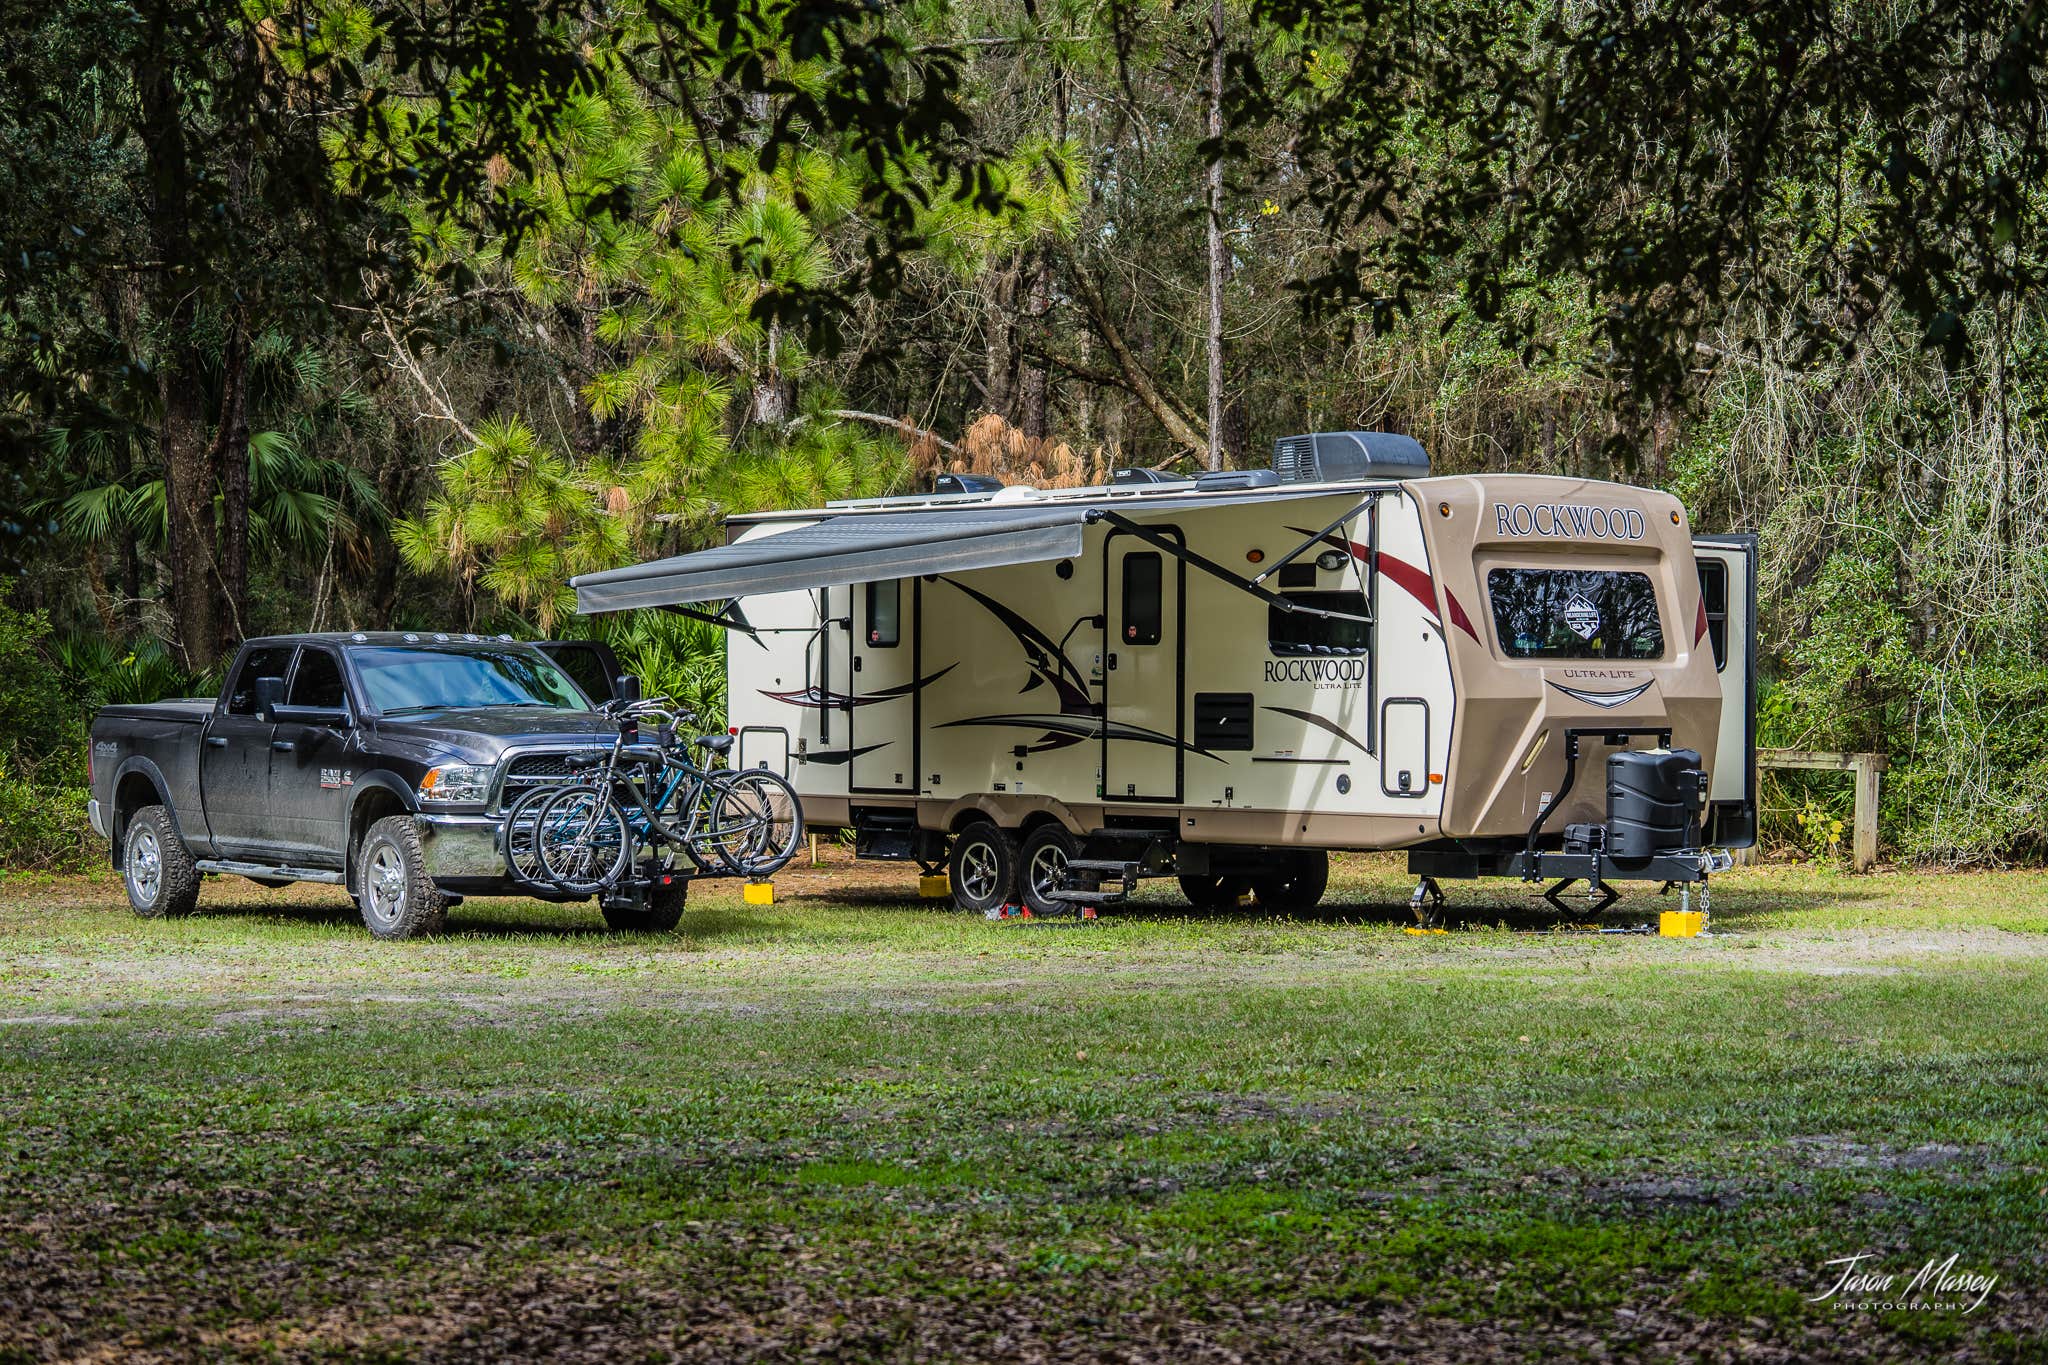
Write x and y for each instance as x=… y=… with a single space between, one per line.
x=265 y=661
x=318 y=681
x=885 y=613
x=410 y=679
x=1144 y=576
x=1575 y=614
x=1298 y=632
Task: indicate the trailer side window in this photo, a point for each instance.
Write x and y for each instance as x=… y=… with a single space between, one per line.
x=1144 y=576
x=885 y=613
x=1305 y=632
x=1575 y=614
x=1714 y=592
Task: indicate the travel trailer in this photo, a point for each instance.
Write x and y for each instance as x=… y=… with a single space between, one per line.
x=1054 y=693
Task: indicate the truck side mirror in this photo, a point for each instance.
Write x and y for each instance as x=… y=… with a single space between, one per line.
x=626 y=688
x=269 y=696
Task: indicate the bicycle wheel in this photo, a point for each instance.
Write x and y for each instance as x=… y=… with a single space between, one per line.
x=756 y=823
x=522 y=855
x=581 y=840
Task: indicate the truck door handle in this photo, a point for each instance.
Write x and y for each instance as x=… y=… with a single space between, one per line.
x=217 y=741
x=283 y=746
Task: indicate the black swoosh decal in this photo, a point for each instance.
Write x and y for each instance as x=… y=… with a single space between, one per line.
x=1322 y=723
x=1606 y=701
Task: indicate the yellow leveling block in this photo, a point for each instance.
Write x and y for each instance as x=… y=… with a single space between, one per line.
x=759 y=893
x=1680 y=923
x=935 y=888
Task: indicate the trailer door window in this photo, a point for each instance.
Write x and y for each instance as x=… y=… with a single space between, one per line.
x=1714 y=593
x=1575 y=614
x=1144 y=576
x=885 y=613
x=1304 y=632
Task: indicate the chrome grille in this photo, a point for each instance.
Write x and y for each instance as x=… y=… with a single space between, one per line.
x=529 y=770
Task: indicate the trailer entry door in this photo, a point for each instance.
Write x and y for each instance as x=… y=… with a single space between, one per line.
x=882 y=710
x=1727 y=611
x=1143 y=657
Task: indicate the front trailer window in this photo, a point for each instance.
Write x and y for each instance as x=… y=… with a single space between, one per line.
x=399 y=679
x=1575 y=614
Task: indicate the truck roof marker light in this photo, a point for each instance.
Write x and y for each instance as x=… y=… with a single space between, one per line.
x=441 y=636
x=359 y=637
x=470 y=638
x=411 y=638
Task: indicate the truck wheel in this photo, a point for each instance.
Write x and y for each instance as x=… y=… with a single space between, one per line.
x=661 y=912
x=157 y=867
x=1042 y=865
x=1296 y=884
x=397 y=897
x=983 y=867
x=1213 y=893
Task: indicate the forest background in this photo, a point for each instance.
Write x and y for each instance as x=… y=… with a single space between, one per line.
x=380 y=314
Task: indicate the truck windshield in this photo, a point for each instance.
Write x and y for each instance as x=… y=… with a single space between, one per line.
x=399 y=679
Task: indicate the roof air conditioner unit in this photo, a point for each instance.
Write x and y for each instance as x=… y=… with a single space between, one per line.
x=1340 y=456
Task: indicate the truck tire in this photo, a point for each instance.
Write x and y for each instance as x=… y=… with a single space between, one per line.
x=397 y=897
x=156 y=866
x=1214 y=893
x=661 y=913
x=1041 y=863
x=983 y=868
x=1297 y=882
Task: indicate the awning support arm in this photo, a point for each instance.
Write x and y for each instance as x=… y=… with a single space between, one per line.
x=1212 y=568
x=1316 y=539
x=729 y=616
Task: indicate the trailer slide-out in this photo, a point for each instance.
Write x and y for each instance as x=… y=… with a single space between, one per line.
x=1057 y=692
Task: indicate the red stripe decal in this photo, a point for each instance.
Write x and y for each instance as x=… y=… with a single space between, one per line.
x=1699 y=625
x=1417 y=584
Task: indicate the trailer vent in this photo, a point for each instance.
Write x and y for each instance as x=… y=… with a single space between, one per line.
x=1335 y=456
x=1223 y=720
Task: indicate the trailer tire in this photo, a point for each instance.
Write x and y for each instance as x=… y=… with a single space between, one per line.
x=156 y=867
x=396 y=896
x=1297 y=884
x=661 y=913
x=982 y=867
x=1214 y=893
x=1042 y=860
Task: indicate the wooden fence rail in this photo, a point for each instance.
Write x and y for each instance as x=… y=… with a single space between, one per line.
x=1866 y=767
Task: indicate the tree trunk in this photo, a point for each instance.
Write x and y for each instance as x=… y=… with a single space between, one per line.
x=1219 y=258
x=999 y=372
x=230 y=462
x=1034 y=386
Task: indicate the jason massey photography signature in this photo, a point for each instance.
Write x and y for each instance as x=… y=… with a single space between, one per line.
x=1861 y=1283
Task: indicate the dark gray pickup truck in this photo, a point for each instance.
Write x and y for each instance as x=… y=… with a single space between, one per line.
x=380 y=762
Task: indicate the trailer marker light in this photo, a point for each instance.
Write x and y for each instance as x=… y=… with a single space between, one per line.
x=1443 y=509
x=1437 y=778
x=1255 y=556
x=1674 y=517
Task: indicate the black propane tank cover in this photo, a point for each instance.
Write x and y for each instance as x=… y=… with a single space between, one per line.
x=1651 y=798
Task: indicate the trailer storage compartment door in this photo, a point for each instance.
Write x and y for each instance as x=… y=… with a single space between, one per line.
x=1727 y=622
x=882 y=700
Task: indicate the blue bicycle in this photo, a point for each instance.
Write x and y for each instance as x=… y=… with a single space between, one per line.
x=646 y=803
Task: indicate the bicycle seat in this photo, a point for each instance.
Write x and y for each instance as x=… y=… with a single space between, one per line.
x=716 y=744
x=576 y=762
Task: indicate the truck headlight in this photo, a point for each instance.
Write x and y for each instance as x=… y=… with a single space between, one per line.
x=457 y=784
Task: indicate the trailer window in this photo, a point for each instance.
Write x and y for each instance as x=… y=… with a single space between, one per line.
x=885 y=613
x=1575 y=614
x=1714 y=592
x=1144 y=574
x=1303 y=632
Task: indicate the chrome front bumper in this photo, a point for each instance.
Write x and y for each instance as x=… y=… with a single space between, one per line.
x=462 y=847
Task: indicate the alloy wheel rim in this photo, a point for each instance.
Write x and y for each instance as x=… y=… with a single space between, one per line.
x=978 y=871
x=1048 y=865
x=387 y=883
x=145 y=866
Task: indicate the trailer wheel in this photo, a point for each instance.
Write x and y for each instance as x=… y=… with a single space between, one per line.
x=1214 y=893
x=157 y=867
x=1297 y=884
x=661 y=913
x=1042 y=865
x=983 y=867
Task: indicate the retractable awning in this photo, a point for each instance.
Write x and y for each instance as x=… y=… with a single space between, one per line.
x=870 y=546
x=841 y=549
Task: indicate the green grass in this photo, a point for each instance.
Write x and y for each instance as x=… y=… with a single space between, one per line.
x=875 y=1129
